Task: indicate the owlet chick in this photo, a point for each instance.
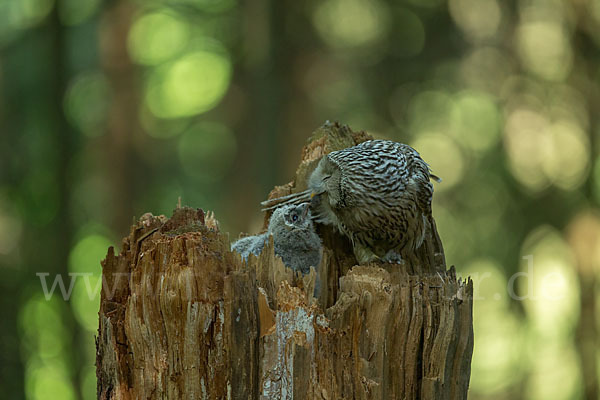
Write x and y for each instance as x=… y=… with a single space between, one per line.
x=377 y=193
x=294 y=238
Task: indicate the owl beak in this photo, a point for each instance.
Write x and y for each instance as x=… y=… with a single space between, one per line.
x=318 y=192
x=294 y=198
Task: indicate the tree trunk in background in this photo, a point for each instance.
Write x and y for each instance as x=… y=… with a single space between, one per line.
x=65 y=144
x=183 y=317
x=116 y=148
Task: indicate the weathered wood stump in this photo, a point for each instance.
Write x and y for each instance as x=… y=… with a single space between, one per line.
x=183 y=317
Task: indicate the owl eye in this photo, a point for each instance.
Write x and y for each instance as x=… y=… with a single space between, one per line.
x=294 y=218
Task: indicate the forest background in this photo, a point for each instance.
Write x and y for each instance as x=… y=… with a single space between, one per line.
x=111 y=109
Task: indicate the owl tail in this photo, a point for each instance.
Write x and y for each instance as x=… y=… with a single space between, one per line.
x=435 y=177
x=294 y=198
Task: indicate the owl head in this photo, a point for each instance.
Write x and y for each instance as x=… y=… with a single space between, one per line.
x=291 y=217
x=325 y=179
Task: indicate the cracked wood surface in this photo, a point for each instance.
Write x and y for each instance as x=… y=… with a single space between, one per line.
x=183 y=317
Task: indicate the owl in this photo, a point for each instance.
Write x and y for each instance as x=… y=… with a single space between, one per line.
x=294 y=238
x=377 y=193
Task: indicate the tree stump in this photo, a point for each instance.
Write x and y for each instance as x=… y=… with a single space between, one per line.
x=183 y=317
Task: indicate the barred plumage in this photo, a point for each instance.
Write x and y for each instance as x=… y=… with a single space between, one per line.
x=377 y=193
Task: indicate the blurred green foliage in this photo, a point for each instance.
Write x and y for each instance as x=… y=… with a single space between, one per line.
x=116 y=108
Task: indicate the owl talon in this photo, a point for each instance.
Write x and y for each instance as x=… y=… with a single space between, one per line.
x=364 y=255
x=392 y=257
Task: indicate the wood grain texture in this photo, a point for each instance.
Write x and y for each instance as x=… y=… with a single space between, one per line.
x=183 y=317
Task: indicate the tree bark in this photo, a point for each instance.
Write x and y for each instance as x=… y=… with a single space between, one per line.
x=183 y=317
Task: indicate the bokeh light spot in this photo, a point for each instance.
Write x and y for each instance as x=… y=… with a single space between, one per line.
x=570 y=105
x=569 y=164
x=41 y=325
x=84 y=259
x=156 y=37
x=556 y=372
x=488 y=280
x=351 y=23
x=548 y=285
x=479 y=19
x=45 y=340
x=444 y=158
x=86 y=255
x=85 y=300
x=190 y=85
x=432 y=110
x=479 y=120
x=87 y=101
x=160 y=128
x=545 y=49
x=496 y=329
x=50 y=344
x=543 y=153
x=48 y=380
x=527 y=145
x=207 y=151
x=16 y=15
x=11 y=228
x=486 y=69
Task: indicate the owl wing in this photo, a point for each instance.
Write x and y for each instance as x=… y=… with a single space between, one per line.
x=377 y=173
x=373 y=174
x=420 y=176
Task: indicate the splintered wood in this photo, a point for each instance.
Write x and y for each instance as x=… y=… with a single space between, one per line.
x=182 y=317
